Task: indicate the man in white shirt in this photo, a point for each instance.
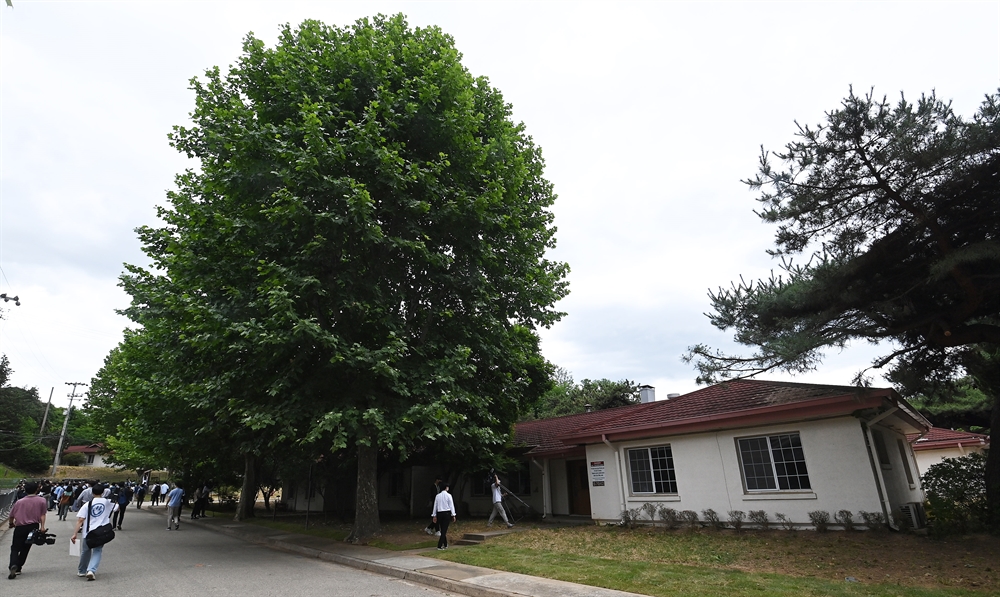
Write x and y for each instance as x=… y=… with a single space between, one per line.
x=97 y=512
x=443 y=514
x=497 y=502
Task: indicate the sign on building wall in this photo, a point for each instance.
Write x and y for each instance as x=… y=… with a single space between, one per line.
x=597 y=472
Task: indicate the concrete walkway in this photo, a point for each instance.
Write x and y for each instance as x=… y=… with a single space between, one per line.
x=408 y=565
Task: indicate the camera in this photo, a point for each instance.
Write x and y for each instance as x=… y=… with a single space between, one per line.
x=37 y=537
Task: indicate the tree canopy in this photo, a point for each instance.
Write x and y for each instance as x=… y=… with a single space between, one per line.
x=568 y=397
x=359 y=261
x=897 y=210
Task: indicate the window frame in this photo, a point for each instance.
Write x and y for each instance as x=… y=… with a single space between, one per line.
x=670 y=469
x=775 y=477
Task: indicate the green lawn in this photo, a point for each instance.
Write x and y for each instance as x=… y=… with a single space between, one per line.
x=724 y=563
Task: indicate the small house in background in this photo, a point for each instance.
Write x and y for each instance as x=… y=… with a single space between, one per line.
x=92 y=453
x=937 y=444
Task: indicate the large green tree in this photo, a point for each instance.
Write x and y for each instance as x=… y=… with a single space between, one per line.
x=23 y=444
x=897 y=210
x=568 y=397
x=359 y=261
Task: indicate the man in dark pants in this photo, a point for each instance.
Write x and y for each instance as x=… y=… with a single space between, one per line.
x=28 y=514
x=444 y=514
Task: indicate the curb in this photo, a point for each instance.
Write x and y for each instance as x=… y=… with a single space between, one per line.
x=437 y=582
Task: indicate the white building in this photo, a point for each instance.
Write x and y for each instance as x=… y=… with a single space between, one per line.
x=937 y=444
x=741 y=445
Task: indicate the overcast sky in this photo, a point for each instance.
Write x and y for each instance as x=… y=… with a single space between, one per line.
x=648 y=114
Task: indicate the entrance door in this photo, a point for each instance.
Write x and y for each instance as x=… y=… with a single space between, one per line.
x=579 y=487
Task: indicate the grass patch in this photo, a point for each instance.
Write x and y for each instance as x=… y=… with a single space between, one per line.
x=751 y=563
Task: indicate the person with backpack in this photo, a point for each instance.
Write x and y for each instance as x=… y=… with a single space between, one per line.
x=124 y=498
x=92 y=515
x=140 y=495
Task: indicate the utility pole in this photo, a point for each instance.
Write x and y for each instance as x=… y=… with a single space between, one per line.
x=62 y=436
x=45 y=419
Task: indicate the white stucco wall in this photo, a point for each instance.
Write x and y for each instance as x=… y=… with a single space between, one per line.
x=926 y=458
x=709 y=475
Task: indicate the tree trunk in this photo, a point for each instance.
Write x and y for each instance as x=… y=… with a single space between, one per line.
x=266 y=494
x=248 y=495
x=366 y=522
x=993 y=470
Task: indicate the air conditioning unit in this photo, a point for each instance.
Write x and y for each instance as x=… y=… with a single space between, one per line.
x=914 y=515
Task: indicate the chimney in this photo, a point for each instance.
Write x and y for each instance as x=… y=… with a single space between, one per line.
x=647 y=394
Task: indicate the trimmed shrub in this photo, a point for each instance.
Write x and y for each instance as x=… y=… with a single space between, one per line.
x=820 y=520
x=845 y=518
x=650 y=511
x=785 y=522
x=691 y=518
x=875 y=521
x=712 y=518
x=736 y=518
x=759 y=518
x=630 y=516
x=670 y=517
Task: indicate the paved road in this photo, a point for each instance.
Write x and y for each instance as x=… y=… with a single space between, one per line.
x=147 y=558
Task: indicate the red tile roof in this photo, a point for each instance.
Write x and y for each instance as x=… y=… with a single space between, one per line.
x=91 y=449
x=543 y=433
x=739 y=402
x=938 y=437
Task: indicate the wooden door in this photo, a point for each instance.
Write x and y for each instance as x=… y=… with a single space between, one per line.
x=579 y=487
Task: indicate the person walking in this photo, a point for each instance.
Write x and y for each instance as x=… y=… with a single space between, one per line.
x=173 y=501
x=65 y=501
x=154 y=496
x=95 y=513
x=28 y=514
x=164 y=489
x=497 y=490
x=124 y=498
x=140 y=495
x=432 y=527
x=444 y=514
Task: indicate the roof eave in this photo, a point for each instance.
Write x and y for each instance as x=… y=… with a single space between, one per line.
x=776 y=413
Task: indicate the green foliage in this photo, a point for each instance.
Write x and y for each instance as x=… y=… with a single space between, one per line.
x=962 y=406
x=357 y=264
x=895 y=208
x=567 y=397
x=22 y=443
x=956 y=494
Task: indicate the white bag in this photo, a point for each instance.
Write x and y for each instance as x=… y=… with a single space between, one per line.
x=74 y=548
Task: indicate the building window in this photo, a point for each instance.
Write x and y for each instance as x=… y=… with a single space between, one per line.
x=773 y=462
x=906 y=461
x=519 y=481
x=880 y=449
x=90 y=459
x=652 y=470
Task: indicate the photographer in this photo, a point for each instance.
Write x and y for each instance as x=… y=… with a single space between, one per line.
x=498 y=494
x=27 y=515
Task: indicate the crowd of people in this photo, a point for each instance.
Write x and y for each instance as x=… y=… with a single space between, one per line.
x=92 y=504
